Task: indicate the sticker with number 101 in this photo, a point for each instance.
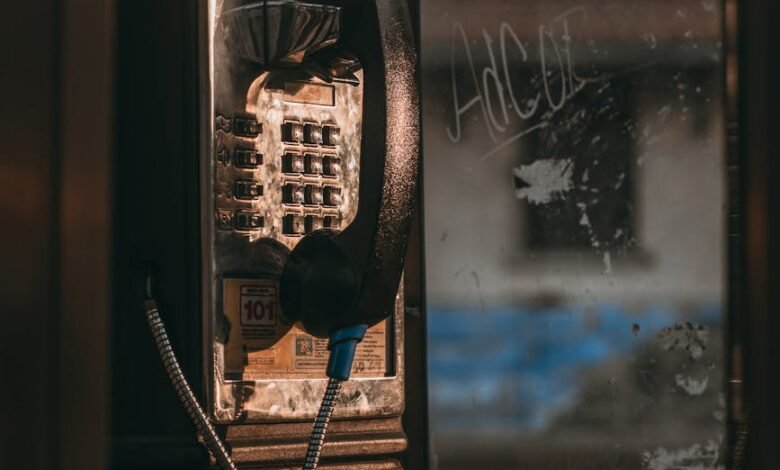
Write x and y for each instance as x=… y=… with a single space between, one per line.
x=258 y=306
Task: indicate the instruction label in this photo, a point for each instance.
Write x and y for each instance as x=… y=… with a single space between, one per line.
x=262 y=346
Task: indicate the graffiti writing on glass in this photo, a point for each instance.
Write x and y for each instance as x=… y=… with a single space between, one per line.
x=499 y=97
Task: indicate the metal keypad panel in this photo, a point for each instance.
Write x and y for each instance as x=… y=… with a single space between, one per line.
x=284 y=166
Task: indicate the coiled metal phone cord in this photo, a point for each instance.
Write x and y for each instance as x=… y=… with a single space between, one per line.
x=204 y=428
x=317 y=437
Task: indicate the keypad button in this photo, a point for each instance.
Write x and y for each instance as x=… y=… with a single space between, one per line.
x=330 y=135
x=331 y=166
x=247 y=158
x=292 y=193
x=312 y=194
x=312 y=223
x=312 y=164
x=248 y=189
x=292 y=224
x=246 y=220
x=332 y=222
x=292 y=163
x=247 y=127
x=292 y=132
x=312 y=134
x=331 y=196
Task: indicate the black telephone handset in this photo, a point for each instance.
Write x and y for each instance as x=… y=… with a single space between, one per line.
x=339 y=279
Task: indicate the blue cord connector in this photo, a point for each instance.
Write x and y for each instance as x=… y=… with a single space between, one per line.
x=342 y=345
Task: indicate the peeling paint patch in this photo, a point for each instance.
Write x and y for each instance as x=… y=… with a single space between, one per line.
x=692 y=386
x=685 y=336
x=543 y=180
x=695 y=457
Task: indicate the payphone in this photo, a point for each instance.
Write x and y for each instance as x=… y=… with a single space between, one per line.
x=308 y=168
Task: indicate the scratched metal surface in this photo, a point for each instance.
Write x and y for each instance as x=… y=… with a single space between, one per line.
x=277 y=400
x=272 y=110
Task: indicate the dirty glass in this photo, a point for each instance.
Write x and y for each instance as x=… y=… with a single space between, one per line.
x=574 y=200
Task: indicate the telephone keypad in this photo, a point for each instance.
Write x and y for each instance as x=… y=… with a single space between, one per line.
x=311 y=177
x=280 y=173
x=302 y=182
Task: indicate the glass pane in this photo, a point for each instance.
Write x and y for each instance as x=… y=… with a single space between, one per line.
x=574 y=233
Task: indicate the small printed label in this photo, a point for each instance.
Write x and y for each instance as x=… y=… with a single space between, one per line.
x=258 y=306
x=262 y=346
